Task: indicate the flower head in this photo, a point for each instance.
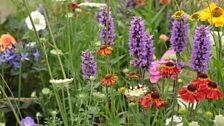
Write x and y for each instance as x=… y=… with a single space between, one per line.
x=201 y=49
x=109 y=79
x=28 y=121
x=194 y=16
x=163 y=37
x=191 y=94
x=105 y=50
x=154 y=74
x=102 y=19
x=213 y=14
x=213 y=92
x=7 y=41
x=169 y=70
x=176 y=120
x=193 y=123
x=38 y=20
x=219 y=120
x=179 y=34
x=157 y=101
x=178 y=14
x=88 y=65
x=146 y=102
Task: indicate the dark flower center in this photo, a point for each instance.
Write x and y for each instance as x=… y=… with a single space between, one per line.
x=108 y=76
x=212 y=85
x=155 y=95
x=195 y=16
x=178 y=14
x=103 y=47
x=169 y=64
x=191 y=87
x=217 y=12
x=203 y=76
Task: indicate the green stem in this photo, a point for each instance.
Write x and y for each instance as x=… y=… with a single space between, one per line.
x=19 y=86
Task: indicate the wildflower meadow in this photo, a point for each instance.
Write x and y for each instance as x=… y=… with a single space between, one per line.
x=111 y=62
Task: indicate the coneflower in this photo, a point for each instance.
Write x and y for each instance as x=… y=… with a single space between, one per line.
x=88 y=65
x=179 y=32
x=201 y=49
x=102 y=19
x=140 y=44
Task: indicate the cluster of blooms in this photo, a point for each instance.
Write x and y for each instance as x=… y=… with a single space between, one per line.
x=152 y=98
x=179 y=32
x=88 y=65
x=102 y=19
x=201 y=49
x=136 y=93
x=12 y=52
x=176 y=119
x=200 y=89
x=61 y=83
x=140 y=44
x=213 y=14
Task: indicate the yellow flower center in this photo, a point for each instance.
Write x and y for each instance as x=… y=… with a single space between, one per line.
x=217 y=12
x=36 y=21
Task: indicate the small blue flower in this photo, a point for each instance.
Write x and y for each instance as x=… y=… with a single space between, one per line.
x=24 y=56
x=28 y=121
x=36 y=55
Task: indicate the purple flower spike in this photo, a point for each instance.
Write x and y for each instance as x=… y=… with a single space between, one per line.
x=88 y=65
x=28 y=121
x=140 y=44
x=179 y=35
x=102 y=19
x=201 y=49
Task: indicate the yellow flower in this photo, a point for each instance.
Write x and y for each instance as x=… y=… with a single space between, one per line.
x=178 y=14
x=122 y=90
x=213 y=14
x=6 y=42
x=194 y=16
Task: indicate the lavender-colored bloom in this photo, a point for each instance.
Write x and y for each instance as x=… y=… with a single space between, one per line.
x=36 y=55
x=88 y=65
x=24 y=56
x=102 y=19
x=28 y=121
x=140 y=44
x=179 y=35
x=201 y=49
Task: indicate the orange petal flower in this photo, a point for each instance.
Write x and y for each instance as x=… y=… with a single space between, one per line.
x=6 y=42
x=192 y=94
x=157 y=102
x=104 y=50
x=145 y=102
x=132 y=75
x=109 y=80
x=213 y=92
x=169 y=70
x=202 y=81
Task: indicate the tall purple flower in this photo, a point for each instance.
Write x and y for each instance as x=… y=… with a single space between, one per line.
x=102 y=19
x=88 y=65
x=179 y=34
x=140 y=44
x=201 y=49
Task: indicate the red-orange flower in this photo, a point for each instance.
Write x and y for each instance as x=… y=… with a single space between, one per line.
x=132 y=75
x=163 y=2
x=169 y=70
x=192 y=94
x=105 y=50
x=157 y=102
x=109 y=80
x=213 y=92
x=146 y=101
x=6 y=42
x=202 y=81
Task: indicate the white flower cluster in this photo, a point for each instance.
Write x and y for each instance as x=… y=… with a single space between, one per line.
x=136 y=93
x=176 y=119
x=89 y=4
x=61 y=82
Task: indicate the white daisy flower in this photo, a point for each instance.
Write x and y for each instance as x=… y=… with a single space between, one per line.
x=38 y=20
x=176 y=119
x=89 y=4
x=61 y=82
x=219 y=120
